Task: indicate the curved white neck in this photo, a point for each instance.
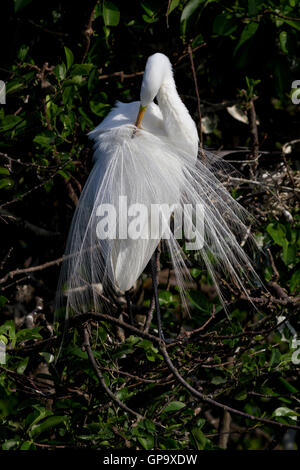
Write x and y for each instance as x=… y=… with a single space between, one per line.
x=178 y=123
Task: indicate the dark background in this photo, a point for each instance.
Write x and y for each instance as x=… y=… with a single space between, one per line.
x=59 y=60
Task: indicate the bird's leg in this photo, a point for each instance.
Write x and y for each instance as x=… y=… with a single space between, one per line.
x=154 y=261
x=129 y=306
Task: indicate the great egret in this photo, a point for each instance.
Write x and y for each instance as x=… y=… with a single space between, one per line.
x=146 y=155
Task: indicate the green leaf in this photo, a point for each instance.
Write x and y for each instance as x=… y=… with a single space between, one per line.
x=174 y=406
x=198 y=439
x=198 y=40
x=283 y=41
x=289 y=254
x=150 y=351
x=167 y=443
x=23 y=51
x=148 y=7
x=45 y=139
x=19 y=4
x=217 y=380
x=39 y=413
x=49 y=423
x=26 y=445
x=4 y=171
x=148 y=425
x=81 y=69
x=224 y=25
x=147 y=19
x=111 y=13
x=147 y=442
x=294 y=24
x=22 y=365
x=288 y=386
x=75 y=80
x=195 y=272
x=284 y=411
x=3 y=339
x=268 y=273
x=84 y=119
x=242 y=395
x=166 y=297
x=6 y=183
x=9 y=330
x=3 y=300
x=10 y=444
x=60 y=71
x=124 y=394
x=174 y=4
x=9 y=121
x=295 y=282
x=201 y=302
x=278 y=233
x=68 y=121
x=275 y=357
x=64 y=174
x=28 y=333
x=247 y=33
x=282 y=76
x=252 y=8
x=103 y=431
x=13 y=85
x=69 y=57
x=189 y=10
x=100 y=109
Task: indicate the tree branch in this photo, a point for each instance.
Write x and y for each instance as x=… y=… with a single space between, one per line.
x=87 y=347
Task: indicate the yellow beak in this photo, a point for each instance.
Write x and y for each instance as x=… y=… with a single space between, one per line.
x=140 y=116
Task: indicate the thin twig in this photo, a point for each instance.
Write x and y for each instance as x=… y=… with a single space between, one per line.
x=259 y=183
x=32 y=269
x=150 y=314
x=87 y=346
x=207 y=399
x=290 y=174
x=190 y=52
x=38 y=186
x=254 y=133
x=29 y=164
x=185 y=54
x=280 y=15
x=39 y=231
x=124 y=75
x=162 y=347
x=167 y=13
x=88 y=32
x=121 y=74
x=192 y=333
x=275 y=270
x=224 y=429
x=54 y=33
x=3 y=262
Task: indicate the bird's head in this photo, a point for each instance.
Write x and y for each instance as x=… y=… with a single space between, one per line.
x=158 y=69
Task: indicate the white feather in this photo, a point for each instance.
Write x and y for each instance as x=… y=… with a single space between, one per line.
x=158 y=166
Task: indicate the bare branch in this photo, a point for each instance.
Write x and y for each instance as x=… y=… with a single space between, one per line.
x=32 y=269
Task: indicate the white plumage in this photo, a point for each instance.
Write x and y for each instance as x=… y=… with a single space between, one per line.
x=154 y=164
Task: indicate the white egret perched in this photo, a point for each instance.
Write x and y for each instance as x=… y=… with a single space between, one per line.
x=147 y=155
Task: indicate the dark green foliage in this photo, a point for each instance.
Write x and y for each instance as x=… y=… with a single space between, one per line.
x=64 y=68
